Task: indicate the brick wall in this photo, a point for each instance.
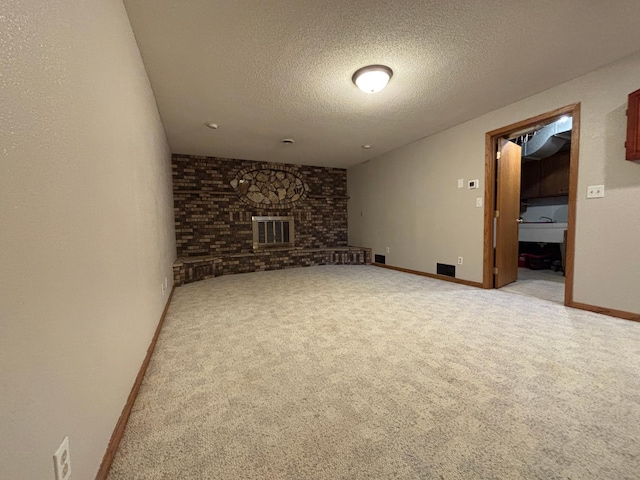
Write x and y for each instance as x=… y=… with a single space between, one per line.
x=187 y=270
x=212 y=219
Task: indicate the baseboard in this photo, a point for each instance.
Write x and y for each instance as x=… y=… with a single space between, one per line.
x=606 y=311
x=114 y=442
x=431 y=275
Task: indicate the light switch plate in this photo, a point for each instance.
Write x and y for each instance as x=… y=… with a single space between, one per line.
x=478 y=201
x=460 y=182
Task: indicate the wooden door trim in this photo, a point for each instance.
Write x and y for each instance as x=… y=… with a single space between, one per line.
x=490 y=190
x=573 y=198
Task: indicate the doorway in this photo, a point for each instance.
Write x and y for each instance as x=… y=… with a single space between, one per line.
x=503 y=207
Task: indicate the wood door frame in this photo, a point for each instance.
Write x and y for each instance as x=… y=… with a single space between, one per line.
x=491 y=139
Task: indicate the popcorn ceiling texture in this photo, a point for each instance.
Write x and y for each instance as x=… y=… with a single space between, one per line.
x=268 y=69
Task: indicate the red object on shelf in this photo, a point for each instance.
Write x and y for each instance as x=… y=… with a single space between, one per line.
x=523 y=260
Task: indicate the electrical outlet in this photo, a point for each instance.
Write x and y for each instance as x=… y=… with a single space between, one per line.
x=387 y=249
x=460 y=182
x=478 y=201
x=595 y=191
x=459 y=260
x=62 y=461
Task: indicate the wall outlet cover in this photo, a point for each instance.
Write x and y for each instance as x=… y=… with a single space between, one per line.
x=595 y=191
x=62 y=461
x=478 y=201
x=460 y=182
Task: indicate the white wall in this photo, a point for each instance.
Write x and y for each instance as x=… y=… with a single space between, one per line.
x=86 y=229
x=410 y=201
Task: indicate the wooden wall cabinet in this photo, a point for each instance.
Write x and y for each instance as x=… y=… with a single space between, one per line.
x=554 y=175
x=633 y=127
x=548 y=177
x=530 y=180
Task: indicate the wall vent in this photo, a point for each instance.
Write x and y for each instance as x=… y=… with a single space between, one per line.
x=444 y=269
x=379 y=259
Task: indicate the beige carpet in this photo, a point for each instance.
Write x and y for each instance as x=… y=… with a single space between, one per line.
x=358 y=372
x=541 y=284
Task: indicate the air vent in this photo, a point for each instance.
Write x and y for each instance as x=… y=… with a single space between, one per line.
x=380 y=259
x=548 y=140
x=448 y=270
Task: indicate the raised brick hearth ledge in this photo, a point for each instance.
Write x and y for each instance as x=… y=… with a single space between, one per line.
x=192 y=269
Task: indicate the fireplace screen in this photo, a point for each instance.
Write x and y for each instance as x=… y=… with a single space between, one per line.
x=272 y=231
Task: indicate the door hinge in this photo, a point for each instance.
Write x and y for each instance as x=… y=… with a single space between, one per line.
x=495 y=270
x=498 y=155
x=497 y=213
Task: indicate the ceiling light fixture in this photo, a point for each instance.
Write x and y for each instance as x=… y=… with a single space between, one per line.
x=366 y=147
x=212 y=125
x=373 y=78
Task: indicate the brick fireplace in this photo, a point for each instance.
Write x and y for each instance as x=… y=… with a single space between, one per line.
x=216 y=201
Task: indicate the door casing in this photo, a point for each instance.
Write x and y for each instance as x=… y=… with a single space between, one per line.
x=491 y=139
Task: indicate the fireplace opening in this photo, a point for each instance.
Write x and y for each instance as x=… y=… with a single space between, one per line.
x=272 y=231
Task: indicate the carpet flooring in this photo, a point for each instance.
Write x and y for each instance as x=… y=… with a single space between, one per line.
x=359 y=372
x=542 y=284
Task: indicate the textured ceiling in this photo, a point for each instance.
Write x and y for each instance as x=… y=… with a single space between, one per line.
x=265 y=70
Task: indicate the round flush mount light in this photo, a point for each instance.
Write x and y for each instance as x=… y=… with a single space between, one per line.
x=366 y=147
x=373 y=78
x=288 y=141
x=213 y=126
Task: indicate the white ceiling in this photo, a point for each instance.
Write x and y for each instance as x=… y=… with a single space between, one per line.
x=265 y=70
